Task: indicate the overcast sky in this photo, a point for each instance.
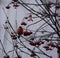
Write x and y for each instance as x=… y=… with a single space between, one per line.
x=21 y=13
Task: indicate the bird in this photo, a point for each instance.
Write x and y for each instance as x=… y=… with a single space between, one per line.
x=19 y=31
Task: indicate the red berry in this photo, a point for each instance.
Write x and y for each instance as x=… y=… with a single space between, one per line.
x=58 y=47
x=19 y=56
x=57 y=7
x=49 y=5
x=42 y=32
x=50 y=48
x=16 y=46
x=15 y=0
x=47 y=40
x=32 y=43
x=6 y=57
x=7 y=7
x=23 y=23
x=30 y=15
x=15 y=6
x=13 y=36
x=26 y=33
x=32 y=39
x=42 y=42
x=33 y=54
x=52 y=44
x=38 y=43
x=46 y=47
x=55 y=14
x=30 y=18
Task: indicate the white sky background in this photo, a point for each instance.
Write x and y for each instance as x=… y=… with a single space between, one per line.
x=21 y=12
